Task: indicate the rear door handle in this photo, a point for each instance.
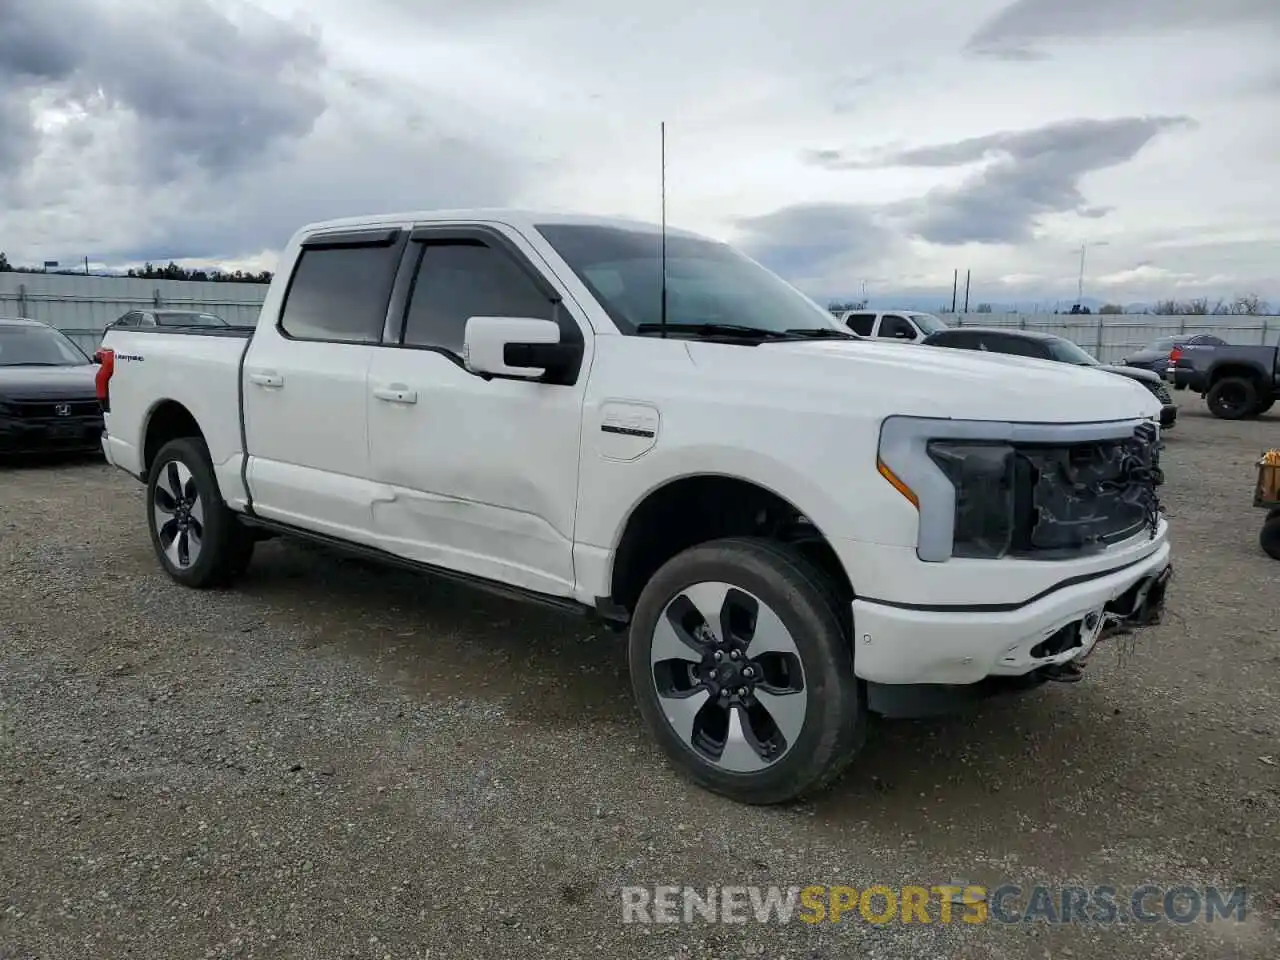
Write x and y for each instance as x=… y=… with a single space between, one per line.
x=396 y=393
x=267 y=378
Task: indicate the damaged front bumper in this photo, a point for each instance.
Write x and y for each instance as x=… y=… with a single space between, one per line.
x=1012 y=656
x=1142 y=605
x=897 y=647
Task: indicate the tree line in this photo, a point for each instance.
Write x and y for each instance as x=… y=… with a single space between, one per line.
x=149 y=271
x=1245 y=305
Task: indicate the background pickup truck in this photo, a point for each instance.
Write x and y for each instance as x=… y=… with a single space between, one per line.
x=902 y=326
x=796 y=527
x=1236 y=381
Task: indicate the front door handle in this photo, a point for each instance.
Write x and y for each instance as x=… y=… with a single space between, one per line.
x=267 y=378
x=396 y=393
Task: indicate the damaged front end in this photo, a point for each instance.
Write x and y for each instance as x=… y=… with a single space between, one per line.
x=1046 y=500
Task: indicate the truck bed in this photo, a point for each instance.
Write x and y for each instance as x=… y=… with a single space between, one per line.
x=196 y=369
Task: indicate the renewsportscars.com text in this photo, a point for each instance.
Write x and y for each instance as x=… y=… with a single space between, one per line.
x=882 y=904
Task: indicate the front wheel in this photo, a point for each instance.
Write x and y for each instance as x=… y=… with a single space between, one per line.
x=1232 y=398
x=743 y=672
x=198 y=540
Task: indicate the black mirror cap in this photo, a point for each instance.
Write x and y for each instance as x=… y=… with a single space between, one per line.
x=559 y=360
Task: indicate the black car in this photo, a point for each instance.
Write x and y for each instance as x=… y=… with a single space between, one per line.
x=1046 y=346
x=1155 y=355
x=48 y=403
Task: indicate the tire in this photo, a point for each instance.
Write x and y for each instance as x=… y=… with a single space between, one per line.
x=218 y=548
x=1232 y=398
x=1269 y=538
x=1264 y=405
x=756 y=582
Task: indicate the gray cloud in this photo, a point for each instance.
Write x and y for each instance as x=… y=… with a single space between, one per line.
x=195 y=133
x=1011 y=33
x=206 y=89
x=802 y=240
x=1028 y=173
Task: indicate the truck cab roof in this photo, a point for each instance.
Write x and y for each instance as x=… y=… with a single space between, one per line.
x=521 y=219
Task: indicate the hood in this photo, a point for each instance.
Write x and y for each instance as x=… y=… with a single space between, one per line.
x=48 y=383
x=884 y=380
x=1133 y=373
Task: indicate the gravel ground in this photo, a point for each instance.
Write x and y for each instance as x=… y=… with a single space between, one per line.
x=334 y=760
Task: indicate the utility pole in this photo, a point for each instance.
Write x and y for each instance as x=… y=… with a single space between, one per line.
x=1080 y=280
x=86 y=266
x=967 y=275
x=955 y=283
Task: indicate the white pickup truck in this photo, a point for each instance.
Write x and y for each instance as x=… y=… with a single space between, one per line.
x=797 y=526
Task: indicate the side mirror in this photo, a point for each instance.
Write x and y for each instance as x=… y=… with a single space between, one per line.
x=523 y=348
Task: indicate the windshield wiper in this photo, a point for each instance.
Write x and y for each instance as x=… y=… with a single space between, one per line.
x=31 y=363
x=822 y=333
x=714 y=330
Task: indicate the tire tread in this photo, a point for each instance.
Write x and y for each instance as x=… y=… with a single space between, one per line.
x=230 y=542
x=831 y=755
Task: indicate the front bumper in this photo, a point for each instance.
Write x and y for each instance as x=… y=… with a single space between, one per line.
x=900 y=645
x=18 y=436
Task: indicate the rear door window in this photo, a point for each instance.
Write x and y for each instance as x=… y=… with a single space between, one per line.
x=1016 y=346
x=861 y=323
x=963 y=340
x=340 y=293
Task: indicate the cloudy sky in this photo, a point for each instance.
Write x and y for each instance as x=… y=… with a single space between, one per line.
x=842 y=142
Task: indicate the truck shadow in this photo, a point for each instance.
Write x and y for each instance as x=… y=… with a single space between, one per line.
x=1027 y=752
x=439 y=639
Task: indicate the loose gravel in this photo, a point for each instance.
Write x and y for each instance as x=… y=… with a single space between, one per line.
x=336 y=760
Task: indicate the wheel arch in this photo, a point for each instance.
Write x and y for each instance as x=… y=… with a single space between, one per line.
x=166 y=420
x=701 y=506
x=1233 y=368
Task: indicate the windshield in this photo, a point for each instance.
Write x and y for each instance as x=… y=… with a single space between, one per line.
x=928 y=323
x=1163 y=344
x=37 y=346
x=1067 y=352
x=189 y=320
x=707 y=282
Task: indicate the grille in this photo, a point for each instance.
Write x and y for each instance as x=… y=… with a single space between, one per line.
x=48 y=409
x=1086 y=496
x=1160 y=390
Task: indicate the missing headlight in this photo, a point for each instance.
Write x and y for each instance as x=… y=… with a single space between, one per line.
x=983 y=475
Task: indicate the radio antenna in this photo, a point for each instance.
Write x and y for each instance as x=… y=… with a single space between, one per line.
x=663 y=304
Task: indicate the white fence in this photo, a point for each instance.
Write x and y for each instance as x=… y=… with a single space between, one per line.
x=83 y=306
x=1109 y=336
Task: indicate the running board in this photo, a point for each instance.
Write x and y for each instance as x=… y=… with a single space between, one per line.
x=504 y=590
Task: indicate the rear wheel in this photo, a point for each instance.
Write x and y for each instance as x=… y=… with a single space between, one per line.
x=743 y=672
x=198 y=540
x=1232 y=398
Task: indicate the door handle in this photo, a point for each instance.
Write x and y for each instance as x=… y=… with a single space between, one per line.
x=267 y=379
x=396 y=393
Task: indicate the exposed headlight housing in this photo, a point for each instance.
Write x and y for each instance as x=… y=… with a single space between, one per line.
x=983 y=475
x=986 y=490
